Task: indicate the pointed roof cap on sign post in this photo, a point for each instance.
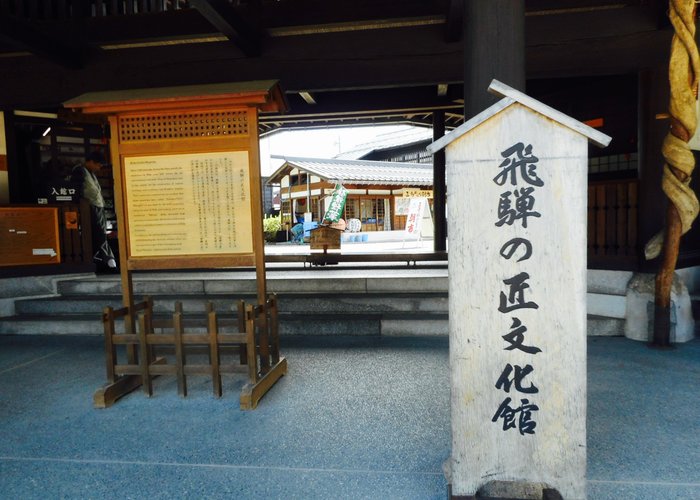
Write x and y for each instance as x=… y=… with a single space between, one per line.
x=511 y=96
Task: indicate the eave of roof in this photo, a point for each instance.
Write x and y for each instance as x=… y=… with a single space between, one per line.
x=361 y=172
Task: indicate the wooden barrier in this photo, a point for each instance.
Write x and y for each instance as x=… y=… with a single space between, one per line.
x=256 y=342
x=612 y=221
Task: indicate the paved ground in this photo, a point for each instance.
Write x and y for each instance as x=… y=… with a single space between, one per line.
x=354 y=418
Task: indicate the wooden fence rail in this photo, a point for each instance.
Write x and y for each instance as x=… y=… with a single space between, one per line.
x=612 y=221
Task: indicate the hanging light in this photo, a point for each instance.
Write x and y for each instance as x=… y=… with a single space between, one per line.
x=48 y=129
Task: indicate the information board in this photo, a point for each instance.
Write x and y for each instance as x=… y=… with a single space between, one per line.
x=189 y=204
x=29 y=235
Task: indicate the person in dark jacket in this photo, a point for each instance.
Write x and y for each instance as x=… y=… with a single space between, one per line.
x=84 y=175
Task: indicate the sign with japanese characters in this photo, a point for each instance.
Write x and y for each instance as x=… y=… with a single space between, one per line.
x=188 y=204
x=57 y=192
x=336 y=205
x=419 y=223
x=401 y=205
x=417 y=193
x=517 y=183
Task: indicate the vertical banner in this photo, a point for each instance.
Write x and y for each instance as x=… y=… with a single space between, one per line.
x=334 y=212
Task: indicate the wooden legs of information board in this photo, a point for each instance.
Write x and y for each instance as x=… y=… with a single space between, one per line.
x=252 y=393
x=255 y=348
x=272 y=366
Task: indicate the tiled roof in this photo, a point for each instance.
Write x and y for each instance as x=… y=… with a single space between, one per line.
x=360 y=171
x=412 y=135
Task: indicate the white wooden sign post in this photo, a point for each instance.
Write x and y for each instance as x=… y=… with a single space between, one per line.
x=419 y=223
x=517 y=183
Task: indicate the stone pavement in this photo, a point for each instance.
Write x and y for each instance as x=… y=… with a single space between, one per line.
x=355 y=417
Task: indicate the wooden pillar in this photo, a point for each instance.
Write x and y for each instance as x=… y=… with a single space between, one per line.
x=439 y=243
x=12 y=158
x=308 y=192
x=653 y=99
x=494 y=47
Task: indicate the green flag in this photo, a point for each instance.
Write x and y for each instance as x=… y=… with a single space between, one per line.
x=337 y=204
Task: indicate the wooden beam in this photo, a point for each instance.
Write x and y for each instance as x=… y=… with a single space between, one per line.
x=25 y=36
x=454 y=20
x=231 y=23
x=318 y=12
x=557 y=46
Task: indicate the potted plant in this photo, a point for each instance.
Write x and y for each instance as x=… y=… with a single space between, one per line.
x=272 y=225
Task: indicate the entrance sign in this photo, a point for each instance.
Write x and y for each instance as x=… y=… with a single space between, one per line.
x=188 y=204
x=419 y=223
x=517 y=181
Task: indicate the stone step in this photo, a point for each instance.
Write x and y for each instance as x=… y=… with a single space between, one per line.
x=318 y=303
x=601 y=326
x=244 y=285
x=299 y=304
x=290 y=324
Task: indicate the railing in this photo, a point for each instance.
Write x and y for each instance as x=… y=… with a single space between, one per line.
x=612 y=223
x=65 y=9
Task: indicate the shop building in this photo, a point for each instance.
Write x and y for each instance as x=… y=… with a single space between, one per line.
x=378 y=191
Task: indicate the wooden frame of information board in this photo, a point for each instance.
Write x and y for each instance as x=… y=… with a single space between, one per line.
x=180 y=154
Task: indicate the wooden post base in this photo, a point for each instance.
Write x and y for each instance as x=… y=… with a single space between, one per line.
x=108 y=394
x=252 y=393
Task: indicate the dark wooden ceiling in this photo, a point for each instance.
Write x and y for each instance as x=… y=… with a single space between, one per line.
x=340 y=61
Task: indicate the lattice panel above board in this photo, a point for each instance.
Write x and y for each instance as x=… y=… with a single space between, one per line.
x=182 y=125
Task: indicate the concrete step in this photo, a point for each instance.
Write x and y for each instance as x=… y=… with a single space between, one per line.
x=377 y=302
x=299 y=283
x=66 y=324
x=290 y=324
x=299 y=304
x=601 y=326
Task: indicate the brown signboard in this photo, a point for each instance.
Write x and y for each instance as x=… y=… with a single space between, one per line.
x=29 y=235
x=325 y=238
